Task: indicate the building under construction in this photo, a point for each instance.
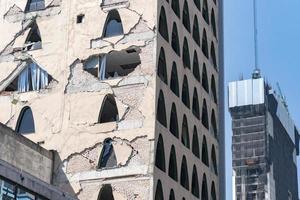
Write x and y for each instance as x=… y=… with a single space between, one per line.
x=265 y=142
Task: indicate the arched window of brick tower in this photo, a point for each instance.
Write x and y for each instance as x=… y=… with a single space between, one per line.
x=160 y=162
x=204 y=152
x=213 y=55
x=159 y=194
x=106 y=193
x=161 y=110
x=113 y=25
x=174 y=85
x=184 y=175
x=196 y=32
x=214 y=159
x=195 y=183
x=33 y=40
x=173 y=164
x=205 y=11
x=205 y=121
x=172 y=195
x=186 y=16
x=204 y=192
x=205 y=79
x=195 y=143
x=213 y=191
x=195 y=107
x=186 y=54
x=214 y=88
x=213 y=22
x=175 y=40
x=107 y=157
x=205 y=44
x=162 y=66
x=185 y=96
x=109 y=110
x=174 y=121
x=35 y=5
x=25 y=123
x=196 y=71
x=163 y=24
x=197 y=4
x=214 y=124
x=175 y=7
x=185 y=138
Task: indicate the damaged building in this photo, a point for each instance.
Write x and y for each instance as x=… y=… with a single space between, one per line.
x=121 y=99
x=265 y=142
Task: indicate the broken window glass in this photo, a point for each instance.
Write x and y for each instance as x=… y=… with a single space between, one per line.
x=109 y=110
x=108 y=156
x=34 y=40
x=25 y=122
x=113 y=25
x=35 y=5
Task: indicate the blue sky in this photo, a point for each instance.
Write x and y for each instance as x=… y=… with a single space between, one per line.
x=279 y=54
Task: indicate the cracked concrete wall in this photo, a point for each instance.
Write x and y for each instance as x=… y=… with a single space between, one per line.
x=66 y=112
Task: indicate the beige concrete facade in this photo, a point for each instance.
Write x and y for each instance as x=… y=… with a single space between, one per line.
x=66 y=112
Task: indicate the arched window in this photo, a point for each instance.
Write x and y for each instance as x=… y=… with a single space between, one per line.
x=186 y=54
x=204 y=152
x=196 y=71
x=113 y=25
x=173 y=164
x=205 y=78
x=172 y=195
x=174 y=121
x=107 y=157
x=33 y=40
x=35 y=5
x=106 y=193
x=196 y=32
x=213 y=22
x=163 y=24
x=205 y=121
x=195 y=143
x=109 y=110
x=214 y=124
x=184 y=175
x=213 y=55
x=161 y=110
x=213 y=191
x=185 y=138
x=195 y=107
x=214 y=159
x=160 y=162
x=175 y=7
x=195 y=183
x=25 y=122
x=204 y=192
x=174 y=85
x=185 y=97
x=162 y=66
x=204 y=44
x=214 y=88
x=205 y=11
x=175 y=41
x=197 y=4
x=159 y=194
x=186 y=16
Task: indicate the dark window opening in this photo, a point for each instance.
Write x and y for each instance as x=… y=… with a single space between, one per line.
x=107 y=157
x=205 y=79
x=80 y=18
x=159 y=195
x=160 y=154
x=162 y=66
x=184 y=176
x=214 y=88
x=213 y=192
x=161 y=110
x=195 y=144
x=35 y=5
x=163 y=25
x=25 y=123
x=204 y=192
x=214 y=124
x=186 y=16
x=197 y=4
x=213 y=22
x=213 y=55
x=175 y=40
x=33 y=40
x=113 y=25
x=173 y=164
x=172 y=195
x=205 y=11
x=185 y=97
x=196 y=32
x=204 y=152
x=214 y=159
x=204 y=44
x=205 y=121
x=195 y=183
x=175 y=7
x=174 y=121
x=109 y=110
x=174 y=85
x=106 y=193
x=196 y=71
x=195 y=107
x=186 y=54
x=185 y=138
